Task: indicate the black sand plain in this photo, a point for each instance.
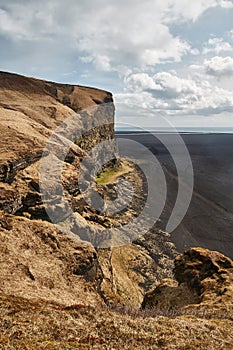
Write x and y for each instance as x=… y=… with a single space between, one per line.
x=208 y=222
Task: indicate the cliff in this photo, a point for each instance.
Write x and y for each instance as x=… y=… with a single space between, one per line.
x=39 y=259
x=59 y=288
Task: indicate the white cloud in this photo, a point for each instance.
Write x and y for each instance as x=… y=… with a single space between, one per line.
x=8 y=25
x=217 y=45
x=219 y=66
x=164 y=84
x=126 y=42
x=115 y=35
x=226 y=3
x=101 y=62
x=174 y=95
x=30 y=23
x=184 y=10
x=140 y=82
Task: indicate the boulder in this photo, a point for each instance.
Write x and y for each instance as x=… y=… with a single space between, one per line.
x=202 y=276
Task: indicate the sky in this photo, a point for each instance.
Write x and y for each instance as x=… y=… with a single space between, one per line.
x=170 y=58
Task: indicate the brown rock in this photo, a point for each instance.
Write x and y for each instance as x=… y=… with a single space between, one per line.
x=203 y=277
x=5 y=221
x=210 y=273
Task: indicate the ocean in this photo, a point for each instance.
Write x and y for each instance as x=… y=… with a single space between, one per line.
x=198 y=130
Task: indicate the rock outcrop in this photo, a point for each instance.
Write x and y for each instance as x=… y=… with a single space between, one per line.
x=209 y=273
x=204 y=282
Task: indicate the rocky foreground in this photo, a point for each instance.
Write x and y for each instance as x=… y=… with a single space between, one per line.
x=59 y=292
x=194 y=312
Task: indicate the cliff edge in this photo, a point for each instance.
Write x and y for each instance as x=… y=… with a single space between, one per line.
x=38 y=259
x=58 y=290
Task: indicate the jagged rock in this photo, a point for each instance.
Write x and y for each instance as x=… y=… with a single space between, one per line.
x=210 y=273
x=202 y=277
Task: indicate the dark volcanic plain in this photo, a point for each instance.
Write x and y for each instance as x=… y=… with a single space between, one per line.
x=208 y=222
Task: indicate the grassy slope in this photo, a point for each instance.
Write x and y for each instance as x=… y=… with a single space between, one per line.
x=40 y=325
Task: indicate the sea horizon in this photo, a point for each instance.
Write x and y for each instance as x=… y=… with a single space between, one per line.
x=183 y=130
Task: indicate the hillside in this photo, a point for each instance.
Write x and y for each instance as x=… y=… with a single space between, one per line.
x=194 y=312
x=59 y=288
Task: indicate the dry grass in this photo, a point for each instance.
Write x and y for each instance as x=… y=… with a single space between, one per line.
x=39 y=325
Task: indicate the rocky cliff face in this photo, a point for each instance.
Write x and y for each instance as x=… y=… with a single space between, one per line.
x=38 y=259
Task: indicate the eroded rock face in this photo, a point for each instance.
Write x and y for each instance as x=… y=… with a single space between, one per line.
x=203 y=277
x=37 y=260
x=208 y=272
x=30 y=111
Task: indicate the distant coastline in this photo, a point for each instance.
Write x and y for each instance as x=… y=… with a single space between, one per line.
x=198 y=130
